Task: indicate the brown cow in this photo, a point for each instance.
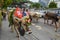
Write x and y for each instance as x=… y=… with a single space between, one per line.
x=53 y=17
x=18 y=23
x=35 y=16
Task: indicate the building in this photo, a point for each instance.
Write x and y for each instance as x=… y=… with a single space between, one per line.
x=58 y=4
x=45 y=3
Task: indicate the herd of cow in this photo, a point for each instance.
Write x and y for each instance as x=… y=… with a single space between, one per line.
x=54 y=17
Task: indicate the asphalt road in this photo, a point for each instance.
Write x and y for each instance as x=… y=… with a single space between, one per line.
x=40 y=31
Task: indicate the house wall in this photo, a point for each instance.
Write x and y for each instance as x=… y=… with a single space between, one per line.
x=58 y=4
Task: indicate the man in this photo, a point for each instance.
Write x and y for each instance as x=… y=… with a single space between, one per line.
x=27 y=20
x=17 y=17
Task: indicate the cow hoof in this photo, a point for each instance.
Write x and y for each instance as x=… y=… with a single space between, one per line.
x=44 y=23
x=17 y=36
x=9 y=25
x=50 y=25
x=55 y=30
x=30 y=32
x=11 y=31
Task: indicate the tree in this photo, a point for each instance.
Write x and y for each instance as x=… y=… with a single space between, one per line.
x=35 y=5
x=32 y=5
x=6 y=3
x=30 y=2
x=1 y=3
x=53 y=5
x=21 y=0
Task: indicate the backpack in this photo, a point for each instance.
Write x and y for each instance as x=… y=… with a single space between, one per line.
x=21 y=30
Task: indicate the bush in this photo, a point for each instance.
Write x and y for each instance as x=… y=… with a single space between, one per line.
x=53 y=5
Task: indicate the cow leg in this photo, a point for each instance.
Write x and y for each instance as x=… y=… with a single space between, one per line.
x=56 y=27
x=36 y=19
x=59 y=22
x=16 y=29
x=47 y=21
x=0 y=26
x=51 y=22
x=12 y=28
x=44 y=21
x=9 y=24
x=26 y=27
